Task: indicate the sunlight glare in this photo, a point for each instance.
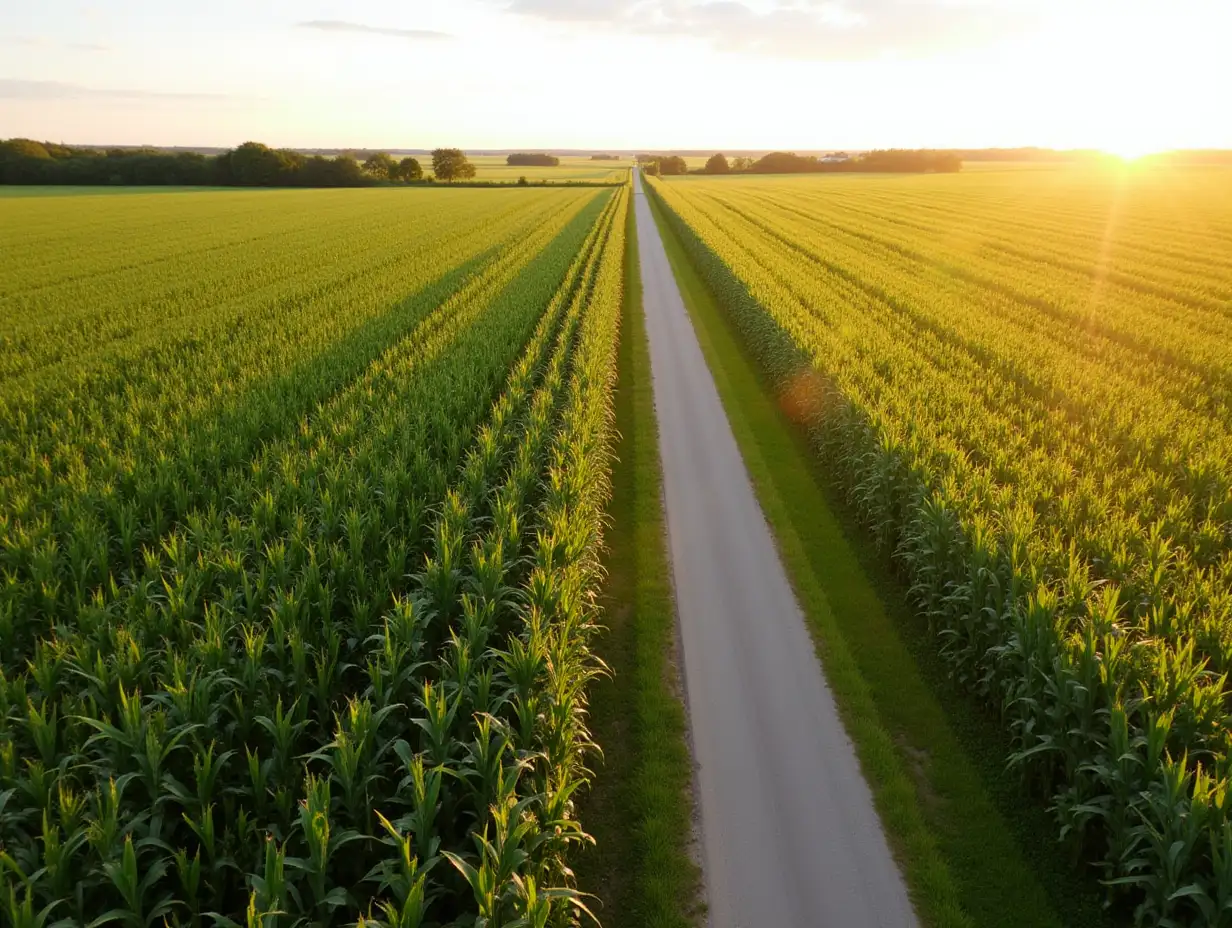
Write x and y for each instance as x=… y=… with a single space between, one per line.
x=1131 y=151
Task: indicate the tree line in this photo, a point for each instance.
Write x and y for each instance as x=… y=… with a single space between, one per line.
x=894 y=160
x=25 y=161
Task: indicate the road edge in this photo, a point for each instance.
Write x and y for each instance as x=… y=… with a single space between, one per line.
x=641 y=811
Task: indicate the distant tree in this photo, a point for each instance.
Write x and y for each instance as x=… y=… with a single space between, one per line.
x=342 y=171
x=651 y=168
x=741 y=163
x=191 y=169
x=251 y=164
x=346 y=172
x=672 y=164
x=222 y=173
x=410 y=169
x=317 y=171
x=522 y=182
x=533 y=159
x=909 y=161
x=59 y=152
x=257 y=165
x=717 y=164
x=784 y=162
x=379 y=166
x=291 y=167
x=23 y=148
x=450 y=164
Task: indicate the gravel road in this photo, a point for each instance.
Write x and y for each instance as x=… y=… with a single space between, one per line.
x=790 y=838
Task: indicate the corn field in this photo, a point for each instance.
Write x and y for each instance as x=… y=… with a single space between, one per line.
x=301 y=500
x=1023 y=382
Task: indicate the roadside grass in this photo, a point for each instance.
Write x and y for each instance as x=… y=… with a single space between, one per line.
x=973 y=848
x=640 y=807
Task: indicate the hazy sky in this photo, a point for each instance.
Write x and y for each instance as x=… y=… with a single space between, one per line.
x=1129 y=75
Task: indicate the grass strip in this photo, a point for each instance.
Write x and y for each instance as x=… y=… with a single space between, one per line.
x=959 y=854
x=640 y=807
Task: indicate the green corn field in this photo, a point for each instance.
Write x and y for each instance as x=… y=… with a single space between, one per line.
x=1022 y=381
x=301 y=496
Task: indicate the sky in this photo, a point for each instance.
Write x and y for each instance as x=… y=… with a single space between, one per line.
x=1130 y=76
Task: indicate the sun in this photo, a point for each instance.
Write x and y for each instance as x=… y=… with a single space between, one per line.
x=1130 y=150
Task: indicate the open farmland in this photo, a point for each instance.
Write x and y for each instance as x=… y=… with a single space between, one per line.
x=1023 y=381
x=300 y=495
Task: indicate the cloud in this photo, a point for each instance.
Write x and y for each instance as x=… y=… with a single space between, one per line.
x=89 y=47
x=338 y=25
x=807 y=29
x=47 y=91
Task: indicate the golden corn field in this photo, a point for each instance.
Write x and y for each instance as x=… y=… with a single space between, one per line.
x=300 y=496
x=1022 y=380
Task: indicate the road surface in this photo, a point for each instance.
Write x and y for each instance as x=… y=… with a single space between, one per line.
x=789 y=835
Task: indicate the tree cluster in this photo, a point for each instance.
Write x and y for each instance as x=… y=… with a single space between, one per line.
x=604 y=157
x=25 y=161
x=910 y=161
x=663 y=165
x=450 y=164
x=381 y=166
x=787 y=162
x=532 y=159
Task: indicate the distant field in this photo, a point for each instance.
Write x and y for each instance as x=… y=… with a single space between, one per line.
x=493 y=167
x=1023 y=379
x=301 y=495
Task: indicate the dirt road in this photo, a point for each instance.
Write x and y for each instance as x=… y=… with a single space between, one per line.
x=790 y=838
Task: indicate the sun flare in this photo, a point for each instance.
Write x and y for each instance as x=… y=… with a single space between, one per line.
x=1131 y=151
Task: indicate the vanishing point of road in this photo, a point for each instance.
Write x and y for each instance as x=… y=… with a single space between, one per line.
x=790 y=838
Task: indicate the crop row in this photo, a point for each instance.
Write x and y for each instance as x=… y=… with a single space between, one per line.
x=326 y=658
x=1055 y=483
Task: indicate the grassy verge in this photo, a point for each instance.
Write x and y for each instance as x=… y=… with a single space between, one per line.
x=639 y=809
x=974 y=852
